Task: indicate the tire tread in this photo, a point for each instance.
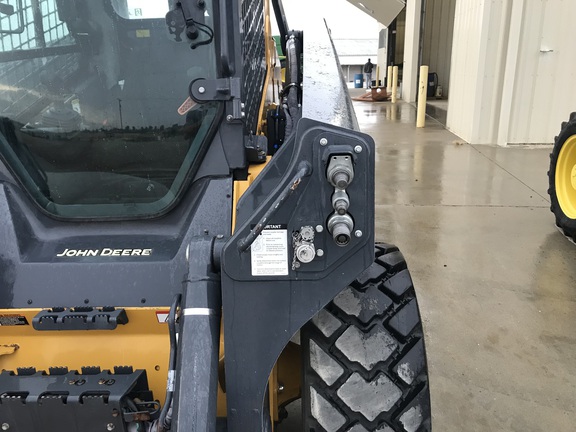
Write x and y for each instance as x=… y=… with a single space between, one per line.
x=565 y=224
x=405 y=368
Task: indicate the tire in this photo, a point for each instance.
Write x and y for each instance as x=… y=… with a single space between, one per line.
x=561 y=189
x=365 y=365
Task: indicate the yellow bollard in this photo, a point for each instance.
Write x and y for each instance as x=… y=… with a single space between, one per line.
x=422 y=93
x=394 y=83
x=389 y=79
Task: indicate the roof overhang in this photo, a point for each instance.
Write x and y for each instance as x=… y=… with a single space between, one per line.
x=383 y=11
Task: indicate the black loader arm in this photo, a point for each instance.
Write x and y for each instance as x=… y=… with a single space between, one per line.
x=304 y=231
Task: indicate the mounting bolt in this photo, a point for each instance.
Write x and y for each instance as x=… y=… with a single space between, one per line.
x=242 y=105
x=110 y=426
x=323 y=141
x=320 y=252
x=5 y=426
x=229 y=118
x=358 y=233
x=202 y=90
x=358 y=149
x=319 y=228
x=243 y=114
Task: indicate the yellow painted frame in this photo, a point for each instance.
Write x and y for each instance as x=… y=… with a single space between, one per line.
x=143 y=342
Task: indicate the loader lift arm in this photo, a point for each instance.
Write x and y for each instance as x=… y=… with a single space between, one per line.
x=300 y=285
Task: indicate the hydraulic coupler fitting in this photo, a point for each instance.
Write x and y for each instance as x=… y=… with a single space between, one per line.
x=340 y=226
x=340 y=201
x=340 y=171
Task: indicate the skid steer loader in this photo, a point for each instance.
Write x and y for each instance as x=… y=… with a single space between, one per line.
x=187 y=241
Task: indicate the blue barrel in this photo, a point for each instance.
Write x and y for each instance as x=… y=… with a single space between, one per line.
x=432 y=84
x=358 y=80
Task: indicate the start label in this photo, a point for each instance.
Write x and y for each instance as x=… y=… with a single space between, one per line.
x=270 y=252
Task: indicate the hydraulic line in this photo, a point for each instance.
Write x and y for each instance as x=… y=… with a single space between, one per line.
x=293 y=90
x=165 y=420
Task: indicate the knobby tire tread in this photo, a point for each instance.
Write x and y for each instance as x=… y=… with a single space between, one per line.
x=389 y=309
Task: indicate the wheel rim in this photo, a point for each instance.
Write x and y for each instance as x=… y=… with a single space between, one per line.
x=565 y=178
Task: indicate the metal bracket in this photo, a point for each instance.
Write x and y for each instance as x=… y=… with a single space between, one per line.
x=67 y=400
x=220 y=89
x=80 y=318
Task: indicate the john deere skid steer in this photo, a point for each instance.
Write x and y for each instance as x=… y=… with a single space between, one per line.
x=186 y=239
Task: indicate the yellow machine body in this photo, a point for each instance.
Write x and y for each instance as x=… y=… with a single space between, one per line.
x=143 y=342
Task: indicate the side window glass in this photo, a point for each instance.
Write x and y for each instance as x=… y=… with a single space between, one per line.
x=28 y=25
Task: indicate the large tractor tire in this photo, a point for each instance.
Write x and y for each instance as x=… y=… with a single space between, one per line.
x=562 y=178
x=365 y=364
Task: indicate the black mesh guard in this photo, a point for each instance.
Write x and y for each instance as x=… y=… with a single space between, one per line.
x=254 y=55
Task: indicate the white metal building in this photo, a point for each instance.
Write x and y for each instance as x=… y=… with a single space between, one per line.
x=506 y=66
x=353 y=53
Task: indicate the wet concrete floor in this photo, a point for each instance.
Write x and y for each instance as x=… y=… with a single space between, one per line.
x=495 y=279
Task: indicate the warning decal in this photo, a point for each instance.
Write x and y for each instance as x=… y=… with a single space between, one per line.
x=162 y=316
x=270 y=252
x=13 y=320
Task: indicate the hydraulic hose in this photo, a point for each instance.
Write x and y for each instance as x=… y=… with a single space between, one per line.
x=292 y=89
x=165 y=420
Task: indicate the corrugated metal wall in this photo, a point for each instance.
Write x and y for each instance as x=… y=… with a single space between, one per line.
x=513 y=70
x=437 y=39
x=545 y=73
x=465 y=71
x=478 y=66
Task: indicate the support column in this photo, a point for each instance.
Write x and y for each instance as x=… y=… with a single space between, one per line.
x=512 y=54
x=487 y=37
x=421 y=115
x=394 y=84
x=411 y=50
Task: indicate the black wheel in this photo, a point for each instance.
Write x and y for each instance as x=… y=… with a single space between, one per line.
x=562 y=178
x=365 y=364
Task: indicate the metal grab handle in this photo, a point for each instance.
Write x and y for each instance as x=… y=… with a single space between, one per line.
x=225 y=51
x=304 y=170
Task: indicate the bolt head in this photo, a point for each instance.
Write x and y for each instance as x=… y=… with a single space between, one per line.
x=201 y=90
x=358 y=149
x=5 y=426
x=320 y=252
x=319 y=228
x=323 y=141
x=110 y=426
x=358 y=233
x=229 y=118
